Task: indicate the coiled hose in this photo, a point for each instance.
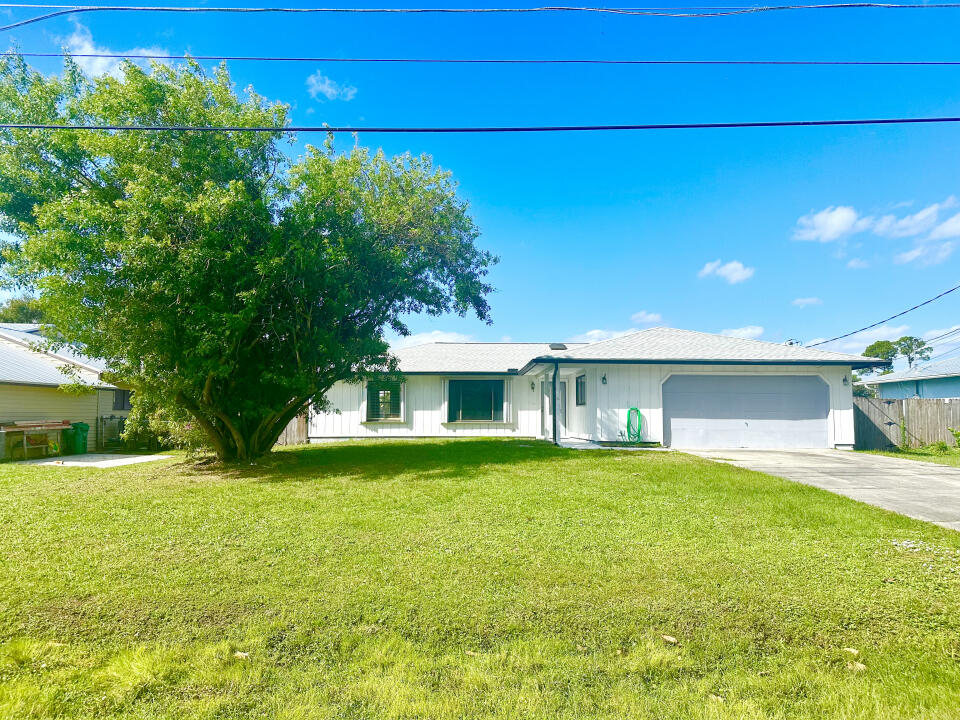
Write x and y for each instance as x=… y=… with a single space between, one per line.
x=634 y=425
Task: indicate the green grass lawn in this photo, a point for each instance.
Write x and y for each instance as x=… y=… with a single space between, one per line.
x=467 y=579
x=924 y=454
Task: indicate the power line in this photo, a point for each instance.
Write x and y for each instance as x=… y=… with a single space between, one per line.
x=479 y=61
x=892 y=317
x=948 y=334
x=486 y=129
x=678 y=12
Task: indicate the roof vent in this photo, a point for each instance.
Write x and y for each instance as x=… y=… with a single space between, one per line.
x=557 y=346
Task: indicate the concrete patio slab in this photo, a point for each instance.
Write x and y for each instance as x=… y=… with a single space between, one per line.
x=97 y=460
x=921 y=490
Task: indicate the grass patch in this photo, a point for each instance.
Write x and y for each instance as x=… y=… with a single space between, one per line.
x=931 y=454
x=467 y=579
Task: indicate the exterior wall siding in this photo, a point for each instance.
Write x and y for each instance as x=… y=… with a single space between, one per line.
x=28 y=403
x=640 y=386
x=946 y=387
x=425 y=411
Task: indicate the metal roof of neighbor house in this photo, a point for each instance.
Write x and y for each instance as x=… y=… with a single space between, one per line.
x=942 y=368
x=20 y=365
x=29 y=334
x=448 y=357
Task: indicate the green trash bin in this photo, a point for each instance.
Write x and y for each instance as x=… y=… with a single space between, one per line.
x=66 y=441
x=80 y=430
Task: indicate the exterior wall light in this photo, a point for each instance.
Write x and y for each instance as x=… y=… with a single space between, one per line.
x=533 y=386
x=846 y=381
x=603 y=380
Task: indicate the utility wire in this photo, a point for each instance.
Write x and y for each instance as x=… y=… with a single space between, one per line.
x=948 y=334
x=476 y=61
x=678 y=12
x=892 y=317
x=488 y=129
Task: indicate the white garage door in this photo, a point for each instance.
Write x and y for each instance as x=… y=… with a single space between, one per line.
x=752 y=411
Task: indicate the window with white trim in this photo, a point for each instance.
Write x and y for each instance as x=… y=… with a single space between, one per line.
x=475 y=401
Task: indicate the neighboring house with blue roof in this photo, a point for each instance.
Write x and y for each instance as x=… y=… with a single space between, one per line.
x=932 y=380
x=31 y=378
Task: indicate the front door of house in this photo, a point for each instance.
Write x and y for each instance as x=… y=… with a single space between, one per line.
x=546 y=419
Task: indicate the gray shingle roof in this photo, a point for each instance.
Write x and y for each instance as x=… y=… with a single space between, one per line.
x=942 y=368
x=672 y=344
x=652 y=345
x=443 y=357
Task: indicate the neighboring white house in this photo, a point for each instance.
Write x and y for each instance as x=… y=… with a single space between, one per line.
x=692 y=390
x=30 y=381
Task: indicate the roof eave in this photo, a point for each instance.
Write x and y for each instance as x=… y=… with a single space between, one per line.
x=544 y=360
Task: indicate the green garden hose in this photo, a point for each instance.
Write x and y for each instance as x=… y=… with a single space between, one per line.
x=634 y=423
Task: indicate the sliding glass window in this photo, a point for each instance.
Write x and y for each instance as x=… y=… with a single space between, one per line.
x=475 y=401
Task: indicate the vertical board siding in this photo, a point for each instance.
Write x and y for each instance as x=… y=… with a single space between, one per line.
x=640 y=386
x=425 y=410
x=604 y=417
x=882 y=423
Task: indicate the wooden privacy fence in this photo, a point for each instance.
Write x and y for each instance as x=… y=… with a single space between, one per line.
x=296 y=432
x=915 y=422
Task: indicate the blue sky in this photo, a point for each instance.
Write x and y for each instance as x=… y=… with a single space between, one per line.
x=772 y=233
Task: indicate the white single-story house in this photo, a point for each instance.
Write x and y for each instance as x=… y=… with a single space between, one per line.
x=690 y=389
x=31 y=379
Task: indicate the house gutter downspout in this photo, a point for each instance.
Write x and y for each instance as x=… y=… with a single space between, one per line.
x=553 y=405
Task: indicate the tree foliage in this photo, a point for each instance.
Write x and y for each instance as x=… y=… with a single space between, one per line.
x=21 y=309
x=913 y=349
x=211 y=272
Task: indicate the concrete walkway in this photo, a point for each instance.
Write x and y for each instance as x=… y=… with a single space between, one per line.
x=921 y=490
x=97 y=460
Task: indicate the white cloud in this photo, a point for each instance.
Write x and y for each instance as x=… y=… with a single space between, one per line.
x=733 y=272
x=939 y=331
x=947 y=229
x=319 y=85
x=911 y=225
x=830 y=224
x=930 y=254
x=857 y=264
x=805 y=301
x=749 y=332
x=81 y=42
x=646 y=317
x=598 y=335
x=429 y=337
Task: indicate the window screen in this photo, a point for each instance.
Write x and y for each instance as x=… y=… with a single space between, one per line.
x=383 y=401
x=581 y=389
x=121 y=399
x=475 y=401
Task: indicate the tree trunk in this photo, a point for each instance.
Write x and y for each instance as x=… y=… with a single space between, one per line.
x=238 y=441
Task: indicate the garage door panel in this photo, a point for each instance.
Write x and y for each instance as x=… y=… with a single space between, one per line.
x=728 y=411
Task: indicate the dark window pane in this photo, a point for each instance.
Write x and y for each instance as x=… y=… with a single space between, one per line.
x=121 y=399
x=475 y=401
x=581 y=389
x=383 y=400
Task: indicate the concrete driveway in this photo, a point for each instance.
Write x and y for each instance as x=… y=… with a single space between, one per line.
x=921 y=490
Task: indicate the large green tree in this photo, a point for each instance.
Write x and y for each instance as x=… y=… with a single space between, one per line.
x=21 y=309
x=211 y=272
x=913 y=349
